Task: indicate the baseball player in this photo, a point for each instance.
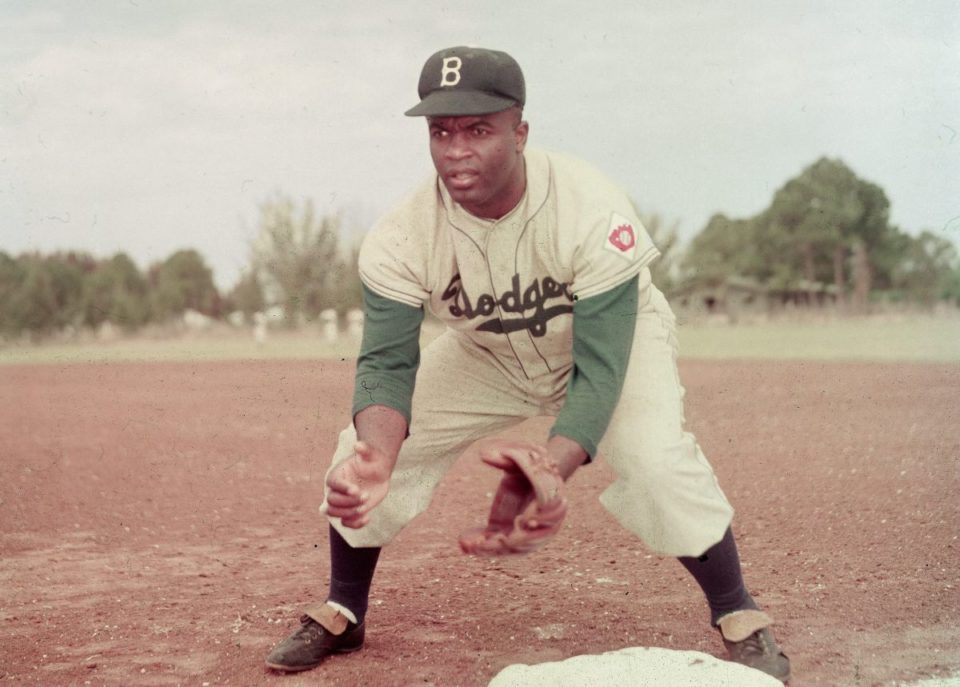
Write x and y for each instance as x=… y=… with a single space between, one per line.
x=539 y=268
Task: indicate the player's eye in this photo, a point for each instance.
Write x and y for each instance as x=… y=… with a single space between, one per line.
x=479 y=131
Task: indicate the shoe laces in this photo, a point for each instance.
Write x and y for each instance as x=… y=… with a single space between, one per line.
x=758 y=643
x=310 y=629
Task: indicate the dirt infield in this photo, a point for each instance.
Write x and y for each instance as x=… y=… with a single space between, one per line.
x=158 y=526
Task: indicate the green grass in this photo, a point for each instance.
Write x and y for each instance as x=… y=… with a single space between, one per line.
x=909 y=338
x=278 y=346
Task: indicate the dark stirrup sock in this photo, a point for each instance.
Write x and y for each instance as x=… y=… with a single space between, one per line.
x=351 y=572
x=718 y=573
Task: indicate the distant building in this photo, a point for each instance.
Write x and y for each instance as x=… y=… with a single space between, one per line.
x=805 y=294
x=739 y=299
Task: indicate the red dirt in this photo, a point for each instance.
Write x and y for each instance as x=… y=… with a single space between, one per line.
x=158 y=526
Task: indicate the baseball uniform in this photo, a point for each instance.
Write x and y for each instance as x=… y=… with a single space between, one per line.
x=511 y=293
x=549 y=310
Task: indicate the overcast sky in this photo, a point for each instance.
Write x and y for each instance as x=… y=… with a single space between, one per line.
x=145 y=126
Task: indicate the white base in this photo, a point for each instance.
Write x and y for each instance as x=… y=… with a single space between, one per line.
x=635 y=667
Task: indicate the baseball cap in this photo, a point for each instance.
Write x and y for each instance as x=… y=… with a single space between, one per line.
x=468 y=81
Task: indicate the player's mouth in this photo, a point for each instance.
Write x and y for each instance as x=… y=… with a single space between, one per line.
x=461 y=179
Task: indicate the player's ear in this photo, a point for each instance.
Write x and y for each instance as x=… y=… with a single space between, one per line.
x=520 y=135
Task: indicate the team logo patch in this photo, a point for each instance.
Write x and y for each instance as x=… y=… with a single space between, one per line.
x=621 y=236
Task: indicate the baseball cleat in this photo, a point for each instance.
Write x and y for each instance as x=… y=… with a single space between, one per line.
x=749 y=641
x=323 y=631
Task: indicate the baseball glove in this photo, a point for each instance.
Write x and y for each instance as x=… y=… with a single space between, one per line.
x=529 y=506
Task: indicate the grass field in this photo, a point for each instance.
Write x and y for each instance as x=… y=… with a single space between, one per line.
x=914 y=338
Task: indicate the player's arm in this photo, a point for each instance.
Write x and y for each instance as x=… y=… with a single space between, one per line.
x=383 y=389
x=603 y=328
x=389 y=355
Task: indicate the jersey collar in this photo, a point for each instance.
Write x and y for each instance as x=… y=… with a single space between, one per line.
x=537 y=167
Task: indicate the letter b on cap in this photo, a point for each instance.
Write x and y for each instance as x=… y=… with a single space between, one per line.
x=450 y=73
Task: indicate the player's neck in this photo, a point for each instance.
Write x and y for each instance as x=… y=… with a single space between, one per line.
x=508 y=200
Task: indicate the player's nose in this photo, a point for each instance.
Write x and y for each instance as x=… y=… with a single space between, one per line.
x=457 y=148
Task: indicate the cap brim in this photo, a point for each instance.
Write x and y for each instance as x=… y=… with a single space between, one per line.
x=459 y=104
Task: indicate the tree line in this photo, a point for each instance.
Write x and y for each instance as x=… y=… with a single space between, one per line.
x=297 y=262
x=43 y=294
x=825 y=226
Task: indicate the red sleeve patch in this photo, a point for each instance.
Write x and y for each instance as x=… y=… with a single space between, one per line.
x=623 y=238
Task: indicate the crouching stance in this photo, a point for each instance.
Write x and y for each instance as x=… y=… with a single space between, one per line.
x=538 y=266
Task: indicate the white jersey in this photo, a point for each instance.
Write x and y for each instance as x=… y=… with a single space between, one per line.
x=509 y=285
x=506 y=290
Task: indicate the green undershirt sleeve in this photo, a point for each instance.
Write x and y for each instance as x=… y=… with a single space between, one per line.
x=602 y=336
x=389 y=354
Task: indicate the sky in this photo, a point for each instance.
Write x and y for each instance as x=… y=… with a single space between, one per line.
x=147 y=127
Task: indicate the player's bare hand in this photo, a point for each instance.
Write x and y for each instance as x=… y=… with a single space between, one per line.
x=357 y=486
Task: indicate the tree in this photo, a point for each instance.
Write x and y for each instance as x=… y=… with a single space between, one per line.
x=12 y=315
x=36 y=307
x=247 y=294
x=50 y=295
x=886 y=259
x=831 y=214
x=869 y=234
x=183 y=281
x=296 y=257
x=951 y=286
x=928 y=269
x=14 y=310
x=116 y=292
x=348 y=290
x=810 y=208
x=728 y=248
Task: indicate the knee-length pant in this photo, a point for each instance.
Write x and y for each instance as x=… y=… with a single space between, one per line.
x=664 y=491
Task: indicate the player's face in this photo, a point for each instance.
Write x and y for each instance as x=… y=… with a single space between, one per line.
x=480 y=160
